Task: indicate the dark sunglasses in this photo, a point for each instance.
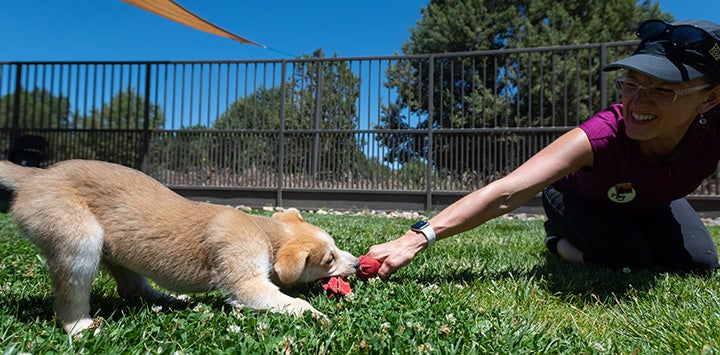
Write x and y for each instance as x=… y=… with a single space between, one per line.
x=683 y=36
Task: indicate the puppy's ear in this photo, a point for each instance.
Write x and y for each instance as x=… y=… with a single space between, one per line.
x=290 y=263
x=289 y=215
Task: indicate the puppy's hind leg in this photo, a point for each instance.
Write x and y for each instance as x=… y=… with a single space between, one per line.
x=73 y=266
x=131 y=284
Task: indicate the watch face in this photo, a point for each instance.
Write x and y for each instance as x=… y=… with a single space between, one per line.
x=420 y=225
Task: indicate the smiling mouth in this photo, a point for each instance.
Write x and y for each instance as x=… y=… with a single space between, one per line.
x=643 y=118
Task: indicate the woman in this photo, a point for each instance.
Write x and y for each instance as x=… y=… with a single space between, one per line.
x=614 y=188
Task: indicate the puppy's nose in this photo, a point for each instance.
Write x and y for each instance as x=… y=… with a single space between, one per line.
x=357 y=263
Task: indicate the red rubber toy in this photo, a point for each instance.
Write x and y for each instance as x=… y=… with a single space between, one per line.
x=336 y=285
x=368 y=268
x=339 y=286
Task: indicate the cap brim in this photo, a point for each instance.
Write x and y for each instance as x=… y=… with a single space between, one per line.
x=657 y=67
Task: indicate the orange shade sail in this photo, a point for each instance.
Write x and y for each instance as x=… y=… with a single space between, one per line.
x=172 y=11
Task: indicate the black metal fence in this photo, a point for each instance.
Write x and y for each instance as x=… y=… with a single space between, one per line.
x=396 y=132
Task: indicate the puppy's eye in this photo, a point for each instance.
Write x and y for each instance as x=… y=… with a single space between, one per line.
x=330 y=260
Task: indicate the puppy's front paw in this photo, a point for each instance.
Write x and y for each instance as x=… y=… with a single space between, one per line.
x=321 y=317
x=298 y=307
x=73 y=328
x=318 y=316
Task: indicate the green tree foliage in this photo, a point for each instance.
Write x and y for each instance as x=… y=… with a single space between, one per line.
x=256 y=122
x=117 y=131
x=37 y=108
x=125 y=111
x=483 y=91
x=193 y=155
x=319 y=95
x=325 y=93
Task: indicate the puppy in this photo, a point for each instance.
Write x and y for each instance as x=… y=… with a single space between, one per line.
x=84 y=213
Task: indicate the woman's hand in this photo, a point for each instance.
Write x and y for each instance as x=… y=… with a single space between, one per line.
x=397 y=253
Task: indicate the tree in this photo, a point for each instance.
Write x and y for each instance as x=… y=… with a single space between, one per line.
x=325 y=93
x=242 y=142
x=118 y=131
x=37 y=108
x=319 y=122
x=483 y=92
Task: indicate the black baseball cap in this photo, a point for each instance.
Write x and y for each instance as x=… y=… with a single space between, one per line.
x=691 y=53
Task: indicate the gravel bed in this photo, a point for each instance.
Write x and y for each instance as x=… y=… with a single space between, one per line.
x=414 y=215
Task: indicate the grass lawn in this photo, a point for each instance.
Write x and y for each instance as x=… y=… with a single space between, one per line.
x=491 y=290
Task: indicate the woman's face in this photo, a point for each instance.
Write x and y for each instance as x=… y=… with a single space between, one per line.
x=647 y=120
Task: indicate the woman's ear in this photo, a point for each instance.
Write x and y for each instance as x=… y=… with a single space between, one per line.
x=712 y=100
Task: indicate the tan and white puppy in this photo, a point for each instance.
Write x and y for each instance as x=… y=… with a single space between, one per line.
x=84 y=213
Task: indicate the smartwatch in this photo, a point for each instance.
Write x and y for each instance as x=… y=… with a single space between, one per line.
x=424 y=228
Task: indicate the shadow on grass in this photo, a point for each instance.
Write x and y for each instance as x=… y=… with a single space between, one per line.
x=584 y=285
x=595 y=283
x=578 y=285
x=41 y=308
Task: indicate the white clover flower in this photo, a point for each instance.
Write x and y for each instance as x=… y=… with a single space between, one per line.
x=262 y=327
x=238 y=312
x=183 y=298
x=234 y=328
x=156 y=308
x=433 y=288
x=425 y=348
x=450 y=318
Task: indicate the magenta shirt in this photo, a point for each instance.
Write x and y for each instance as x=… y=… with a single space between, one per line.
x=623 y=181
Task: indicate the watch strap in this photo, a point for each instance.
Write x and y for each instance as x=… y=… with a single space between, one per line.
x=426 y=230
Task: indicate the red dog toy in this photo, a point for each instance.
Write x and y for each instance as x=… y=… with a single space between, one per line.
x=340 y=286
x=336 y=285
x=368 y=268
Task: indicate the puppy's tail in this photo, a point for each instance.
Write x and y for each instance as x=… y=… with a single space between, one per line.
x=11 y=174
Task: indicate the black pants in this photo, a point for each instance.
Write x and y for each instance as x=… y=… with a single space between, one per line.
x=674 y=237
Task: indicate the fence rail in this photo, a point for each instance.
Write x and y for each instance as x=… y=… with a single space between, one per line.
x=390 y=132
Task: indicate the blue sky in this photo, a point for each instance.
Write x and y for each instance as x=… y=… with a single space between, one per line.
x=87 y=30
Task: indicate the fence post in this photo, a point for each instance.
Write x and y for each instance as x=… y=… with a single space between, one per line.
x=16 y=106
x=281 y=136
x=430 y=150
x=603 y=76
x=145 y=144
x=315 y=169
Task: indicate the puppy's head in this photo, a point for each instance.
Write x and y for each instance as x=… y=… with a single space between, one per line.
x=309 y=253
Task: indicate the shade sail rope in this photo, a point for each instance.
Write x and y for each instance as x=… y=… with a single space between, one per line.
x=281 y=52
x=171 y=10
